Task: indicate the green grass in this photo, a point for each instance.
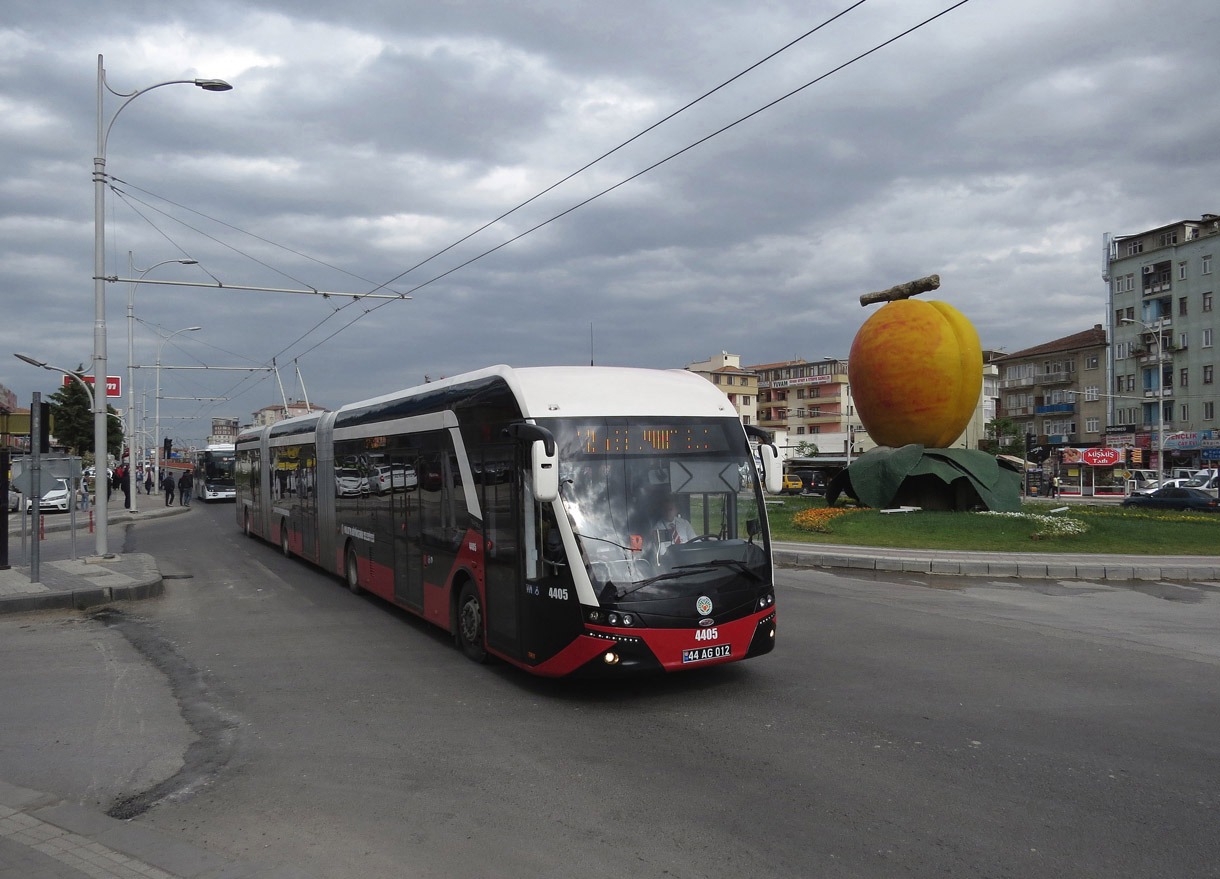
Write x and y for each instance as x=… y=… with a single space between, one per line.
x=1109 y=529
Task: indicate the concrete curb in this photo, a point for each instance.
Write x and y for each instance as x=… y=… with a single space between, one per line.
x=1065 y=567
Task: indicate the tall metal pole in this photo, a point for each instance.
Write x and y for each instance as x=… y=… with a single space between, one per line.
x=99 y=277
x=133 y=442
x=100 y=459
x=157 y=416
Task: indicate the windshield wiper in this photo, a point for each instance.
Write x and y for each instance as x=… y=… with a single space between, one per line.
x=603 y=540
x=740 y=567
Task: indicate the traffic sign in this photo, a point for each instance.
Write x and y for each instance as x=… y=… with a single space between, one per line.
x=114 y=384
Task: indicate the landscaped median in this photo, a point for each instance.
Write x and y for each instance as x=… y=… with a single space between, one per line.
x=1041 y=527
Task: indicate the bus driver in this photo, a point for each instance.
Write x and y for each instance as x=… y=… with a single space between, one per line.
x=672 y=524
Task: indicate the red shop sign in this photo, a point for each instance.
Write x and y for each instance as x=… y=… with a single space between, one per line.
x=1101 y=457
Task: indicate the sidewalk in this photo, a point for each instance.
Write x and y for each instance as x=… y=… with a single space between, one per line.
x=42 y=837
x=87 y=581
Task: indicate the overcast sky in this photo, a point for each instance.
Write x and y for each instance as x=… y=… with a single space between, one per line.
x=994 y=146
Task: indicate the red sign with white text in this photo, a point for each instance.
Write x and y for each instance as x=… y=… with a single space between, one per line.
x=1101 y=457
x=114 y=384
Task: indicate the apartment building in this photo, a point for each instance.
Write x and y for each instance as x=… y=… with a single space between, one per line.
x=811 y=402
x=1056 y=390
x=272 y=414
x=739 y=384
x=1163 y=326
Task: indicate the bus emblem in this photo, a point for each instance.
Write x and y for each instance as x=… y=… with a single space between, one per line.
x=703 y=605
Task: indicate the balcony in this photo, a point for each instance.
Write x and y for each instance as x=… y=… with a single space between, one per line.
x=1055 y=409
x=1059 y=377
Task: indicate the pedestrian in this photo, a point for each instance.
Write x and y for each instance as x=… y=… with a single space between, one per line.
x=148 y=482
x=185 y=483
x=125 y=484
x=167 y=485
x=1055 y=486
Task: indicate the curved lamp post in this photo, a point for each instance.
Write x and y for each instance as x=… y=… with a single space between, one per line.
x=1155 y=332
x=99 y=265
x=130 y=430
x=157 y=415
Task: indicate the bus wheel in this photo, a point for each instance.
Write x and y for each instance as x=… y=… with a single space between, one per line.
x=245 y=524
x=470 y=623
x=352 y=571
x=284 y=540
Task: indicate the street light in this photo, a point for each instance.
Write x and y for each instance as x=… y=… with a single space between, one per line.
x=99 y=265
x=157 y=415
x=1160 y=394
x=130 y=431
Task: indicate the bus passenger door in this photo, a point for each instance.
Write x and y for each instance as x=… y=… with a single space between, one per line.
x=500 y=492
x=408 y=567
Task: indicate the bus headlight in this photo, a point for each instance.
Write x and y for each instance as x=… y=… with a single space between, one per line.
x=766 y=601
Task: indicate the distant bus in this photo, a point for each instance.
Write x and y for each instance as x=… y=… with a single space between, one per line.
x=214 y=473
x=522 y=511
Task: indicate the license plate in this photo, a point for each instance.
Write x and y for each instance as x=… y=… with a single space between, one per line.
x=700 y=654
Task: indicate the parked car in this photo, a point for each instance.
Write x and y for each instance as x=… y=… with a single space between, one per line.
x=14 y=500
x=1205 y=480
x=1168 y=483
x=1180 y=498
x=793 y=484
x=815 y=481
x=385 y=478
x=350 y=482
x=56 y=498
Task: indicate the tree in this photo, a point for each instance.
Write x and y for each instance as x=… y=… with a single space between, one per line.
x=73 y=411
x=1004 y=437
x=806 y=449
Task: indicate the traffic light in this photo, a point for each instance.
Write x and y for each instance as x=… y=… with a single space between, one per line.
x=1137 y=457
x=1029 y=440
x=44 y=428
x=169 y=445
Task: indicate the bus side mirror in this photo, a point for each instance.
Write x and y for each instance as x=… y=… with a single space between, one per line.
x=773 y=472
x=544 y=471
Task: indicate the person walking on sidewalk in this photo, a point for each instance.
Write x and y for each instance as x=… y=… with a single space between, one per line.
x=167 y=486
x=185 y=483
x=148 y=483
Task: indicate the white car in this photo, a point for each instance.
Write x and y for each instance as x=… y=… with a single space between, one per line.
x=392 y=477
x=55 y=499
x=14 y=500
x=349 y=482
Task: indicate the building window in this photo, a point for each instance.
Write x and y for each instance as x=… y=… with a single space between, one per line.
x=1183 y=377
x=1209 y=411
x=1130 y=315
x=1092 y=393
x=1182 y=306
x=1167 y=239
x=1206 y=265
x=1207 y=338
x=1207 y=301
x=1181 y=271
x=1090 y=362
x=1185 y=412
x=800 y=429
x=1134 y=247
x=1092 y=425
x=1207 y=374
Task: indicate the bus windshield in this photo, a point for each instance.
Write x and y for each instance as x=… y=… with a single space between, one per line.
x=663 y=509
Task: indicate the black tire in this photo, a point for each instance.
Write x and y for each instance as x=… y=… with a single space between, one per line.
x=284 y=540
x=245 y=524
x=469 y=629
x=351 y=570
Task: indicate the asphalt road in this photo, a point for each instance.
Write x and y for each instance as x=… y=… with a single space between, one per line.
x=900 y=728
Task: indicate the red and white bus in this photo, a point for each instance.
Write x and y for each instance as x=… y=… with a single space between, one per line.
x=524 y=514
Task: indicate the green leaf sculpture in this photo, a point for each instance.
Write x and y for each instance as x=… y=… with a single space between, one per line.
x=932 y=479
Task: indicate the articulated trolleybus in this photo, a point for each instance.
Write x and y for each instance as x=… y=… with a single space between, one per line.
x=530 y=513
x=214 y=473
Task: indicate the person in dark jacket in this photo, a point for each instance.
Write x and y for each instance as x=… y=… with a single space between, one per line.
x=167 y=486
x=186 y=483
